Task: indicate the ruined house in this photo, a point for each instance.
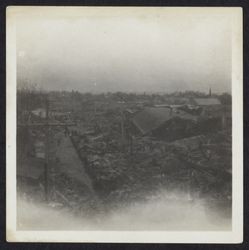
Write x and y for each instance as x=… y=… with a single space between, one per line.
x=213 y=115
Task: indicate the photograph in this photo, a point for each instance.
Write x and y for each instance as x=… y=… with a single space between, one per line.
x=124 y=124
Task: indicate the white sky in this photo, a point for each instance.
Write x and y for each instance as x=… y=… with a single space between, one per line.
x=113 y=49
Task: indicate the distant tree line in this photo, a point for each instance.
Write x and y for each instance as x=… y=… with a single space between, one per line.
x=29 y=97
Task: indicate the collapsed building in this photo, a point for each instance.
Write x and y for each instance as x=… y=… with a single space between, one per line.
x=164 y=123
x=171 y=122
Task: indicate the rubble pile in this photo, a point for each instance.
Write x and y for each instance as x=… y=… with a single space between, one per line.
x=73 y=195
x=124 y=166
x=209 y=157
x=109 y=166
x=201 y=164
x=211 y=152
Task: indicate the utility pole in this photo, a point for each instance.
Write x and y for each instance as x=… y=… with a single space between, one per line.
x=131 y=144
x=122 y=130
x=47 y=149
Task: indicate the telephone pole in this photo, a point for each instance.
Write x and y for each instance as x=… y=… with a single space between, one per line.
x=47 y=150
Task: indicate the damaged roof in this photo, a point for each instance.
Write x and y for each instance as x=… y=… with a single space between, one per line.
x=151 y=118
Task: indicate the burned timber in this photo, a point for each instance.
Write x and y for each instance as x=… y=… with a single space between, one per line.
x=90 y=153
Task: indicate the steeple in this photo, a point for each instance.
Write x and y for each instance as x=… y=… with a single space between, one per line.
x=210 y=92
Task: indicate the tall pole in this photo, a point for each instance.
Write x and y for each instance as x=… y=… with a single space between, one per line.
x=131 y=144
x=122 y=131
x=47 y=152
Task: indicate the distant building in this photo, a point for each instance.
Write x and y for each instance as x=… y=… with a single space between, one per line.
x=40 y=112
x=205 y=101
x=213 y=114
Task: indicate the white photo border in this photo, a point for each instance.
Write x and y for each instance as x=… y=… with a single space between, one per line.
x=234 y=236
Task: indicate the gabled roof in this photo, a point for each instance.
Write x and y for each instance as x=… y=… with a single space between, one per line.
x=151 y=118
x=206 y=101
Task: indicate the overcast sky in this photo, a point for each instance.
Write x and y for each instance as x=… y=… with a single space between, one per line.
x=125 y=50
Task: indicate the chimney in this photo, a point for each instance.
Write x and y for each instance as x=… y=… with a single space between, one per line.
x=210 y=92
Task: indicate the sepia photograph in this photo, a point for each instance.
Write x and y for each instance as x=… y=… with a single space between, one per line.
x=124 y=124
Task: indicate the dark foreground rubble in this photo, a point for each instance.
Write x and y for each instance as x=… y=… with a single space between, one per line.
x=200 y=164
x=122 y=168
